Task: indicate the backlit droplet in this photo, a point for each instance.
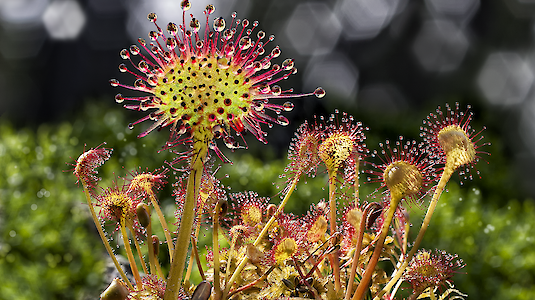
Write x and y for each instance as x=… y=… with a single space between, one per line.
x=260 y=35
x=209 y=9
x=288 y=64
x=122 y=68
x=245 y=43
x=172 y=28
x=195 y=25
x=119 y=98
x=131 y=126
x=258 y=106
x=185 y=5
x=288 y=106
x=276 y=90
x=152 y=17
x=114 y=82
x=124 y=54
x=282 y=120
x=219 y=24
x=170 y=43
x=276 y=52
x=139 y=84
x=153 y=35
x=134 y=50
x=319 y=92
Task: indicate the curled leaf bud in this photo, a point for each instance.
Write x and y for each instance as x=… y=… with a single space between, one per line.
x=271 y=210
x=202 y=291
x=156 y=244
x=375 y=212
x=143 y=214
x=222 y=205
x=117 y=290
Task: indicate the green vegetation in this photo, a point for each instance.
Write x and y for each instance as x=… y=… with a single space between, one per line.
x=50 y=250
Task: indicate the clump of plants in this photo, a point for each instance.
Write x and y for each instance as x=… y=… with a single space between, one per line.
x=213 y=88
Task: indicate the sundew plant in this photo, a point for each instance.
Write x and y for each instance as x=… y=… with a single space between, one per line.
x=210 y=81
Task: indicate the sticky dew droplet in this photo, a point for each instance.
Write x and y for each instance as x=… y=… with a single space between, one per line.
x=319 y=92
x=288 y=106
x=152 y=17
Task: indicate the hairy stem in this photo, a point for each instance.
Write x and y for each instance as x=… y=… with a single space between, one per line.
x=150 y=248
x=358 y=248
x=215 y=247
x=161 y=217
x=129 y=254
x=365 y=281
x=448 y=171
x=138 y=249
x=197 y=258
x=356 y=184
x=334 y=257
x=200 y=151
x=103 y=236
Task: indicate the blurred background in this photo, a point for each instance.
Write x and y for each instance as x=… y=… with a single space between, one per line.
x=387 y=62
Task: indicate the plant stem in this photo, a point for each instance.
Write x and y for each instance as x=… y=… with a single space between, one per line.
x=191 y=258
x=356 y=184
x=448 y=171
x=334 y=257
x=150 y=247
x=264 y=231
x=129 y=254
x=161 y=217
x=215 y=248
x=138 y=249
x=197 y=258
x=103 y=236
x=365 y=281
x=200 y=151
x=358 y=248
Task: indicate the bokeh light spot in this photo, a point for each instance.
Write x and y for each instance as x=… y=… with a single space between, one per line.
x=64 y=20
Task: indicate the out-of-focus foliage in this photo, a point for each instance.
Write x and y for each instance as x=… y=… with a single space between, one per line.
x=50 y=250
x=495 y=241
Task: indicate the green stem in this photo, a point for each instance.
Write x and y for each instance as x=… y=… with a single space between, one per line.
x=200 y=151
x=103 y=236
x=358 y=248
x=150 y=247
x=129 y=254
x=365 y=281
x=448 y=171
x=215 y=248
x=356 y=184
x=195 y=253
x=334 y=257
x=264 y=231
x=161 y=217
x=138 y=249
